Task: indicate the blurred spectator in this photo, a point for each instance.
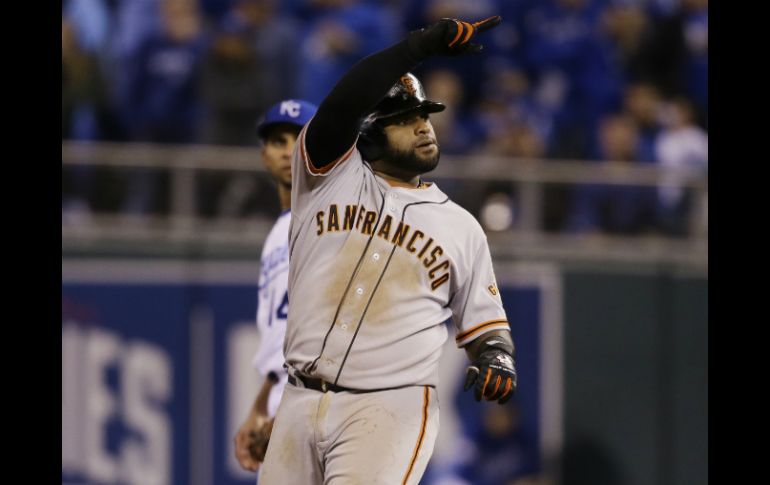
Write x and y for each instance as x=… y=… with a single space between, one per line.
x=136 y=21
x=231 y=89
x=163 y=96
x=342 y=32
x=514 y=139
x=493 y=120
x=626 y=24
x=524 y=135
x=251 y=64
x=456 y=133
x=91 y=19
x=502 y=205
x=165 y=74
x=499 y=451
x=682 y=147
x=86 y=115
x=232 y=94
x=647 y=43
x=509 y=85
x=616 y=209
x=274 y=39
x=665 y=45
x=643 y=104
x=577 y=80
x=515 y=127
x=504 y=102
x=84 y=92
x=696 y=36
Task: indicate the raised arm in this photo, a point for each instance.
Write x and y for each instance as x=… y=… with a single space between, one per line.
x=335 y=126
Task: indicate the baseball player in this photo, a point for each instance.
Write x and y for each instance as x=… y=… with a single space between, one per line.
x=278 y=133
x=380 y=260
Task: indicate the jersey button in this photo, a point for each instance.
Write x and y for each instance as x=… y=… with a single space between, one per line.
x=393 y=208
x=360 y=290
x=344 y=326
x=376 y=256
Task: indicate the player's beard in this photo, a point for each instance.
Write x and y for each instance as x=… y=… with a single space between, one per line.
x=409 y=161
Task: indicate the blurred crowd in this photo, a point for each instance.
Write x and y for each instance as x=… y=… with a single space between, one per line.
x=582 y=80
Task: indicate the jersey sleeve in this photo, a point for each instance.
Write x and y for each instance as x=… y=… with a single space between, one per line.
x=476 y=306
x=306 y=163
x=308 y=180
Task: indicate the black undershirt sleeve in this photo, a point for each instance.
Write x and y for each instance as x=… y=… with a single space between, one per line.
x=334 y=128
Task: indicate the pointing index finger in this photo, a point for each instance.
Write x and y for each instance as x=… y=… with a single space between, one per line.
x=488 y=23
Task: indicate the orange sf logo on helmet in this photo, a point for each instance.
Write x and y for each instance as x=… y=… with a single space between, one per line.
x=409 y=85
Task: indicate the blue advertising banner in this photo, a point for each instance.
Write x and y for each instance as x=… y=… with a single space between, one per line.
x=124 y=384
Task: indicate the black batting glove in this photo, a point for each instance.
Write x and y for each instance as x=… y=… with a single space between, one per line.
x=449 y=37
x=494 y=374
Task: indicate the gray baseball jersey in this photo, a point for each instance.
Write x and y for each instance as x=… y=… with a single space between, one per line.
x=375 y=272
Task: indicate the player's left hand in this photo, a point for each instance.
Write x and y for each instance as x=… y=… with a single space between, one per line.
x=259 y=440
x=251 y=441
x=494 y=375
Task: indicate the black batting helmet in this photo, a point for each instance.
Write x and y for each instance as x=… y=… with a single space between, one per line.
x=405 y=96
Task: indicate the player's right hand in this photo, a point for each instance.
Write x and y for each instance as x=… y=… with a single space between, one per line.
x=449 y=37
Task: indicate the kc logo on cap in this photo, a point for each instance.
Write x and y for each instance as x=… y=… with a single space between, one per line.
x=290 y=108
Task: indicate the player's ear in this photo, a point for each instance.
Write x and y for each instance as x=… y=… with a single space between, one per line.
x=371 y=141
x=369 y=148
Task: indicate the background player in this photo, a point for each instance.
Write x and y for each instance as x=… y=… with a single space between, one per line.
x=278 y=133
x=379 y=261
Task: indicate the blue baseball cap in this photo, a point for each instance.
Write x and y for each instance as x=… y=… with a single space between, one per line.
x=293 y=111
